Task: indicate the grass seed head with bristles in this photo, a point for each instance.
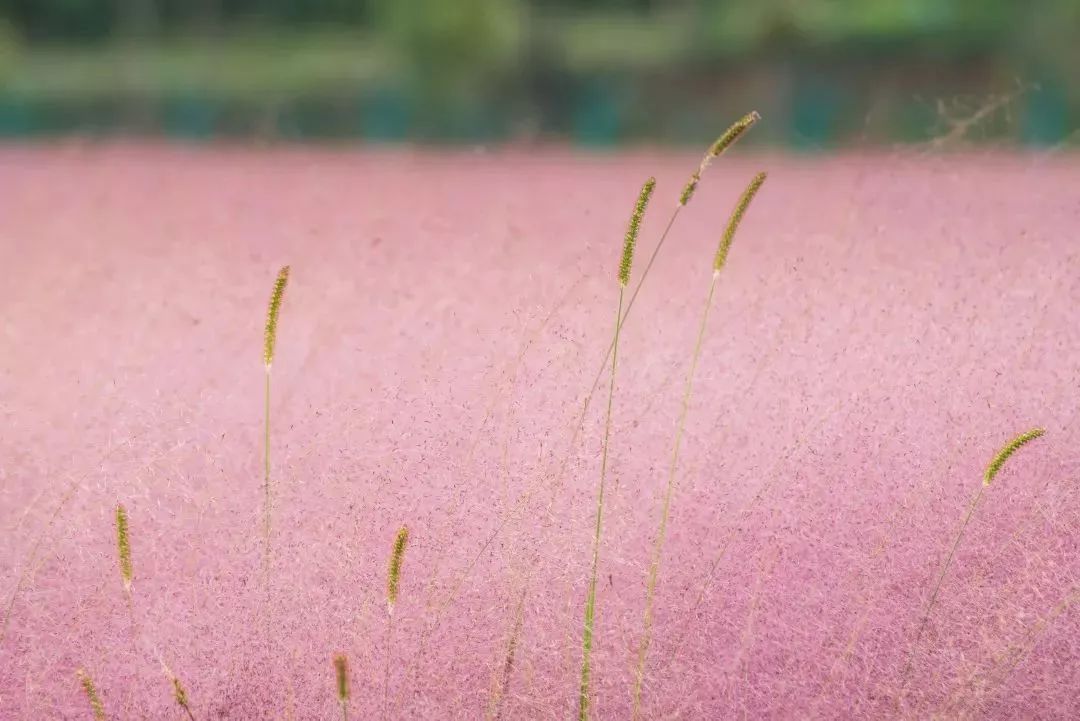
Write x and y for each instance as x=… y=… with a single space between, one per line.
x=123 y=546
x=732 y=134
x=90 y=690
x=736 y=218
x=341 y=669
x=633 y=230
x=1005 y=453
x=272 y=315
x=393 y=579
x=180 y=694
x=725 y=141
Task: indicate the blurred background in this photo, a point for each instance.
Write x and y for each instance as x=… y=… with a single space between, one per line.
x=827 y=73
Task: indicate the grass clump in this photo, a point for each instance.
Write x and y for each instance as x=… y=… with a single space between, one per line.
x=719 y=260
x=625 y=263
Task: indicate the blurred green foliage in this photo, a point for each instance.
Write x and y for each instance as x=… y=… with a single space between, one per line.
x=596 y=69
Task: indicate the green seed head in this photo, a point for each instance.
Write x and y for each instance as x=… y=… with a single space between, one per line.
x=396 y=556
x=690 y=187
x=179 y=693
x=732 y=134
x=123 y=546
x=736 y=218
x=1005 y=453
x=272 y=315
x=725 y=141
x=632 y=231
x=341 y=667
x=90 y=690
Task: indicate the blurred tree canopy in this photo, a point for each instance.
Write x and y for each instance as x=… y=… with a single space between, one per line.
x=587 y=63
x=743 y=22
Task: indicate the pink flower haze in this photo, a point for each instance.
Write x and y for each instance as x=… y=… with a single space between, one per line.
x=884 y=325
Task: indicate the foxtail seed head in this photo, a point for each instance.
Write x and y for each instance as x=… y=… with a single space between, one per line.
x=394 y=577
x=1005 y=453
x=725 y=141
x=272 y=315
x=123 y=546
x=179 y=693
x=90 y=690
x=632 y=231
x=341 y=667
x=736 y=218
x=732 y=134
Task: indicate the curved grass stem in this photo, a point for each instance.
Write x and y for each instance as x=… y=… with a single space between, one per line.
x=590 y=600
x=658 y=546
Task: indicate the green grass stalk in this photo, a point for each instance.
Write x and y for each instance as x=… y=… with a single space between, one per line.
x=719 y=261
x=590 y=601
x=991 y=472
x=269 y=344
x=720 y=146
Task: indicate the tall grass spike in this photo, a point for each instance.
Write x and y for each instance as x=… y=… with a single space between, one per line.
x=272 y=315
x=123 y=546
x=632 y=231
x=90 y=690
x=341 y=669
x=736 y=218
x=393 y=579
x=725 y=141
x=1005 y=453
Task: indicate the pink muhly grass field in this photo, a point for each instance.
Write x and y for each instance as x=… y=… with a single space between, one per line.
x=884 y=325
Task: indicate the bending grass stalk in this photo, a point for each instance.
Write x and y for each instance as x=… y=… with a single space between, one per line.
x=625 y=264
x=87 y=683
x=718 y=148
x=719 y=261
x=393 y=583
x=721 y=145
x=991 y=472
x=269 y=343
x=341 y=671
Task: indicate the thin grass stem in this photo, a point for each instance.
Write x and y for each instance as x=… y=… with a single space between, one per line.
x=719 y=261
x=590 y=600
x=991 y=472
x=654 y=566
x=625 y=264
x=269 y=345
